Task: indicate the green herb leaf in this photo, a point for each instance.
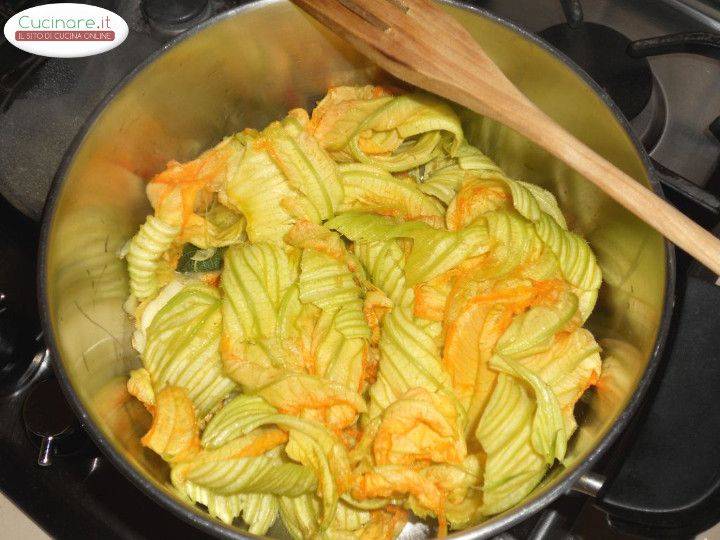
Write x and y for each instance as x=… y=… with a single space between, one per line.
x=195 y=260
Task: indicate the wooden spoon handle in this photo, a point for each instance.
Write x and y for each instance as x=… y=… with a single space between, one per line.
x=497 y=98
x=418 y=42
x=653 y=210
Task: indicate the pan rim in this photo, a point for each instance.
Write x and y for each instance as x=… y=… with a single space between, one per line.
x=196 y=516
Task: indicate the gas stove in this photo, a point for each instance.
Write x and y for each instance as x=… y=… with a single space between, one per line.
x=659 y=61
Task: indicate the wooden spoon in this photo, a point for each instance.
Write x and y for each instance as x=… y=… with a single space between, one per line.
x=416 y=41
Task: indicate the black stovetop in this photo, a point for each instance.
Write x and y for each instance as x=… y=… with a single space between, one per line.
x=668 y=87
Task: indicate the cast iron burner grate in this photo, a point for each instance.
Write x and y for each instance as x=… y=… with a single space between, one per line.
x=621 y=67
x=606 y=56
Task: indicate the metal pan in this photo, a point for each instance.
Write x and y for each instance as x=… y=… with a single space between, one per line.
x=249 y=66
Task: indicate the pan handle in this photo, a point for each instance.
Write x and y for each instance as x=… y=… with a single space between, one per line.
x=589 y=483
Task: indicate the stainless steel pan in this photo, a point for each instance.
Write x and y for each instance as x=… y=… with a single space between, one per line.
x=249 y=66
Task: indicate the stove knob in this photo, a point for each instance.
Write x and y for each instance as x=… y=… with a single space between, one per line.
x=170 y=17
x=50 y=423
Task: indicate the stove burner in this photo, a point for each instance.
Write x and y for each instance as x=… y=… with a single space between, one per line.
x=50 y=423
x=649 y=124
x=174 y=16
x=602 y=53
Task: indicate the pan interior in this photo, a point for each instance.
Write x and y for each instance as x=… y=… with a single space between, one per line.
x=250 y=67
